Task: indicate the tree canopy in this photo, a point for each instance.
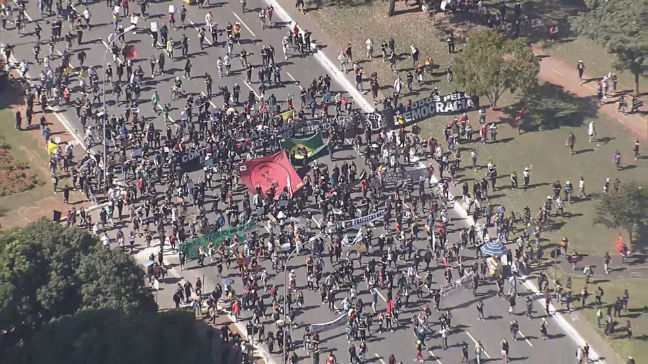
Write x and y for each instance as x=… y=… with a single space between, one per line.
x=627 y=209
x=621 y=27
x=49 y=271
x=107 y=336
x=491 y=64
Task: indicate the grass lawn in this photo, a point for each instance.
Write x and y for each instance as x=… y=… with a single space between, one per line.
x=637 y=313
x=23 y=167
x=549 y=159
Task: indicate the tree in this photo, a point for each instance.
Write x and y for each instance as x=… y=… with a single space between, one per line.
x=627 y=209
x=112 y=336
x=49 y=271
x=491 y=64
x=620 y=26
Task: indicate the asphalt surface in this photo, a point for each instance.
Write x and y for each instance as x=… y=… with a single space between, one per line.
x=466 y=328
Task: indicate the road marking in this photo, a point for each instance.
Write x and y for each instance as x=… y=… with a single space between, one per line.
x=435 y=357
x=158 y=42
x=316 y=222
x=108 y=48
x=161 y=108
x=245 y=25
x=476 y=342
x=198 y=30
x=69 y=60
x=381 y=296
x=252 y=89
x=211 y=103
x=525 y=339
x=296 y=82
x=380 y=359
x=27 y=15
x=558 y=72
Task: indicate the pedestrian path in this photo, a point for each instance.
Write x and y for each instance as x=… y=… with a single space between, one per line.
x=559 y=73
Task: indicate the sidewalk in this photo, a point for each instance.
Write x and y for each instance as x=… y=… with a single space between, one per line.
x=557 y=72
x=576 y=327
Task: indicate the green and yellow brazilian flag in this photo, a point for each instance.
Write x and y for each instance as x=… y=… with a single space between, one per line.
x=313 y=146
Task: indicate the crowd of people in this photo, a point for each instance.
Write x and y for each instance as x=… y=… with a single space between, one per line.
x=151 y=197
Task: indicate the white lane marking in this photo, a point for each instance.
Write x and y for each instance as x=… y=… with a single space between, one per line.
x=108 y=48
x=435 y=357
x=296 y=82
x=211 y=103
x=169 y=117
x=252 y=89
x=430 y=351
x=475 y=341
x=27 y=15
x=380 y=295
x=525 y=339
x=380 y=359
x=61 y=54
x=198 y=30
x=316 y=222
x=245 y=25
x=158 y=42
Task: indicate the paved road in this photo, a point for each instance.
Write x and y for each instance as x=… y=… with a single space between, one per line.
x=400 y=343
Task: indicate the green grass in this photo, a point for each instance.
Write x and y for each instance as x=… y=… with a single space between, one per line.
x=637 y=313
x=549 y=159
x=25 y=151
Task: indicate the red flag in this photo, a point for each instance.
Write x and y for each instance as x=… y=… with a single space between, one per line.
x=271 y=171
x=619 y=243
x=520 y=116
x=130 y=52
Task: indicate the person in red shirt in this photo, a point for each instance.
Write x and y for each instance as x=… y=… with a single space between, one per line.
x=236 y=310
x=330 y=359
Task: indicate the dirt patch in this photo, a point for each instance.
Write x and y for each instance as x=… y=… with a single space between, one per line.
x=15 y=176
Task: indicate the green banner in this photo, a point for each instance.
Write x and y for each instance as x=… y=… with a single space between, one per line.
x=303 y=148
x=190 y=249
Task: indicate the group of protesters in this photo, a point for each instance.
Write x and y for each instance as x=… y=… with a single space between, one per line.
x=151 y=197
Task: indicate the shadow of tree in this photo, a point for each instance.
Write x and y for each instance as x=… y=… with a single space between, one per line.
x=641 y=241
x=12 y=95
x=549 y=106
x=546 y=13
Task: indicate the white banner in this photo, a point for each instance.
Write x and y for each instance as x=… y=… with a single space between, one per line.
x=340 y=321
x=359 y=221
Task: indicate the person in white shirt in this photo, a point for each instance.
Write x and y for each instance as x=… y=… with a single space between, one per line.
x=105 y=240
x=581 y=188
x=398 y=84
x=370 y=48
